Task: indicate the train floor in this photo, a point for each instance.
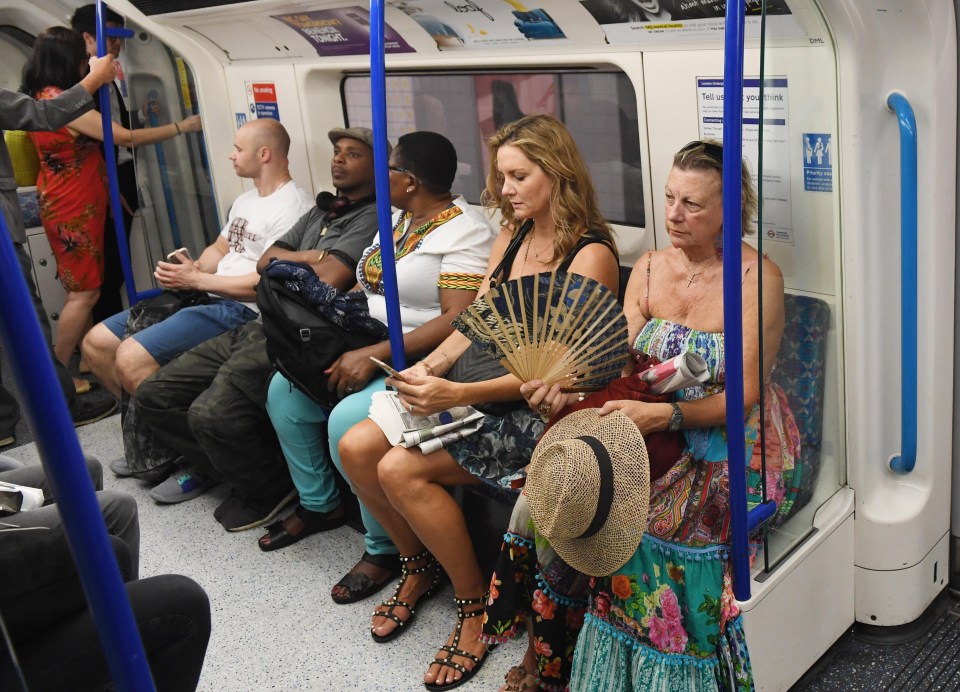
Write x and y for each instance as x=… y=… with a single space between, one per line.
x=928 y=660
x=275 y=626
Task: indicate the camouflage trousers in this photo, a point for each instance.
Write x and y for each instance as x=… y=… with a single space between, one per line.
x=209 y=406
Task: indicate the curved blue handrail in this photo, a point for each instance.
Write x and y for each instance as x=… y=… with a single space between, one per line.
x=49 y=419
x=904 y=462
x=732 y=299
x=378 y=93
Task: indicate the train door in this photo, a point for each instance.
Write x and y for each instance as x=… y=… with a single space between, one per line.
x=176 y=202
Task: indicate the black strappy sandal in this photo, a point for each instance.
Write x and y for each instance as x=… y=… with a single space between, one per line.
x=453 y=648
x=394 y=602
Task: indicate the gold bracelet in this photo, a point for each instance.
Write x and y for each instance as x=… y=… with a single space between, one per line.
x=446 y=358
x=428 y=367
x=177 y=125
x=323 y=253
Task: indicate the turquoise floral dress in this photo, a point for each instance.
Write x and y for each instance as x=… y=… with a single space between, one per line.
x=667 y=620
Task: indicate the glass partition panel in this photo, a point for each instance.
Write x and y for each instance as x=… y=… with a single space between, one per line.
x=790 y=136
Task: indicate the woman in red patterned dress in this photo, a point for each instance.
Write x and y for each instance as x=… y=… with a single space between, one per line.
x=71 y=186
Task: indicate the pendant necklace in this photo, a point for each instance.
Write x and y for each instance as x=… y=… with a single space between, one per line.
x=694 y=275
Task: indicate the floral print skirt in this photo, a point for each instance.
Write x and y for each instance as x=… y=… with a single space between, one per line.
x=532 y=587
x=498 y=453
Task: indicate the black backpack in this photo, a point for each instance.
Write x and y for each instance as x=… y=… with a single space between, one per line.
x=301 y=343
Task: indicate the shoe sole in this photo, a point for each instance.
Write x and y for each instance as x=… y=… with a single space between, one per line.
x=98 y=417
x=288 y=498
x=182 y=497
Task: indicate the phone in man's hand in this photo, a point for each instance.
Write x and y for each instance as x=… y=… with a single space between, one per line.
x=179 y=255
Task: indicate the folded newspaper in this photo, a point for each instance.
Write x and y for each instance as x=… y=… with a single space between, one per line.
x=685 y=370
x=429 y=433
x=18 y=498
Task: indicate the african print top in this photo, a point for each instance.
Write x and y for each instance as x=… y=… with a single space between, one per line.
x=449 y=251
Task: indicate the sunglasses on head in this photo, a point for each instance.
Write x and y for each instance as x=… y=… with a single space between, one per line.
x=714 y=151
x=404 y=171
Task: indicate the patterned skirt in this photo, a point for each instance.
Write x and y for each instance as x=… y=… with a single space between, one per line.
x=532 y=587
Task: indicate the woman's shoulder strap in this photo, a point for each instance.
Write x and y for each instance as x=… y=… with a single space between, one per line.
x=502 y=270
x=588 y=238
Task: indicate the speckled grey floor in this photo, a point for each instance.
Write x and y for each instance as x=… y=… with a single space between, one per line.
x=274 y=624
x=930 y=662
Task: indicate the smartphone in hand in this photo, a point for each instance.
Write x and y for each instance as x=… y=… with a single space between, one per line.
x=387 y=369
x=177 y=256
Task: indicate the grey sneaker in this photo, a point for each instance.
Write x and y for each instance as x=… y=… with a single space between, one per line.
x=121 y=467
x=182 y=486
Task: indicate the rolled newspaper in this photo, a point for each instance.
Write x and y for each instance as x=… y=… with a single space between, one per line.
x=680 y=372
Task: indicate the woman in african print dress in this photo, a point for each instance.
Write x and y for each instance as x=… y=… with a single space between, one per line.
x=667 y=619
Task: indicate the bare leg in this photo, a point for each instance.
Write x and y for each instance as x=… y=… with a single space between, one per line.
x=100 y=351
x=416 y=485
x=74 y=322
x=361 y=449
x=134 y=364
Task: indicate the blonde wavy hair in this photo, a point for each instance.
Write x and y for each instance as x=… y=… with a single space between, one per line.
x=707 y=155
x=573 y=201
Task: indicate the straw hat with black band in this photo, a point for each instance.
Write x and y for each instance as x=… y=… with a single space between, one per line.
x=588 y=489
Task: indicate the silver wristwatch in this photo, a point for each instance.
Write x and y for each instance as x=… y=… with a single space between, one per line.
x=676 y=418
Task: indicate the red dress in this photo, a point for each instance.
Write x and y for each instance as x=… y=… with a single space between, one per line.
x=72 y=196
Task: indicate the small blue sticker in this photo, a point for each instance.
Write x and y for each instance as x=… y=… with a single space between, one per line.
x=241 y=119
x=817 y=162
x=446 y=417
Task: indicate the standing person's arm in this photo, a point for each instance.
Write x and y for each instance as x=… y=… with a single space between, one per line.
x=21 y=112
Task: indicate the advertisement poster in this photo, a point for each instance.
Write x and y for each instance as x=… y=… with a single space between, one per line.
x=341 y=32
x=644 y=21
x=458 y=24
x=262 y=100
x=777 y=215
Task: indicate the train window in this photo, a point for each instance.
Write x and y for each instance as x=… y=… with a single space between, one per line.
x=15 y=47
x=600 y=108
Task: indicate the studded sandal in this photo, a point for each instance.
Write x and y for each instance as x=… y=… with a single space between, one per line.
x=453 y=649
x=393 y=603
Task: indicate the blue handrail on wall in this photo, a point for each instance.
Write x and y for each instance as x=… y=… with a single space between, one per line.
x=46 y=411
x=378 y=93
x=904 y=462
x=122 y=245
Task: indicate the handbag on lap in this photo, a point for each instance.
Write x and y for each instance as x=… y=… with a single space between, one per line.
x=309 y=324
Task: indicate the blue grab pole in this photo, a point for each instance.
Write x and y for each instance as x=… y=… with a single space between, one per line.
x=63 y=462
x=732 y=298
x=903 y=463
x=378 y=93
x=115 y=205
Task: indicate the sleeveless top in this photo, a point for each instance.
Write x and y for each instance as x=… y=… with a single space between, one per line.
x=476 y=365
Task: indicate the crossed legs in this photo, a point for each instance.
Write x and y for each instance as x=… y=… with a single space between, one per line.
x=405 y=490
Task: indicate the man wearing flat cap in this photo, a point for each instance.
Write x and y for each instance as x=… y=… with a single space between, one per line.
x=208 y=405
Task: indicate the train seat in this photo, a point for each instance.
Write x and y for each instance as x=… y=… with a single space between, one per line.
x=800 y=373
x=29 y=206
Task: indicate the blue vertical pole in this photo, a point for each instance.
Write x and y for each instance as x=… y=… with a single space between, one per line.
x=63 y=461
x=732 y=298
x=115 y=206
x=378 y=93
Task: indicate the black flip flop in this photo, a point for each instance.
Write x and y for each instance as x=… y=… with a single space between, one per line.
x=362 y=586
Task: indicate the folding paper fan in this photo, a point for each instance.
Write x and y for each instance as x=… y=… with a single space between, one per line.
x=557 y=327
